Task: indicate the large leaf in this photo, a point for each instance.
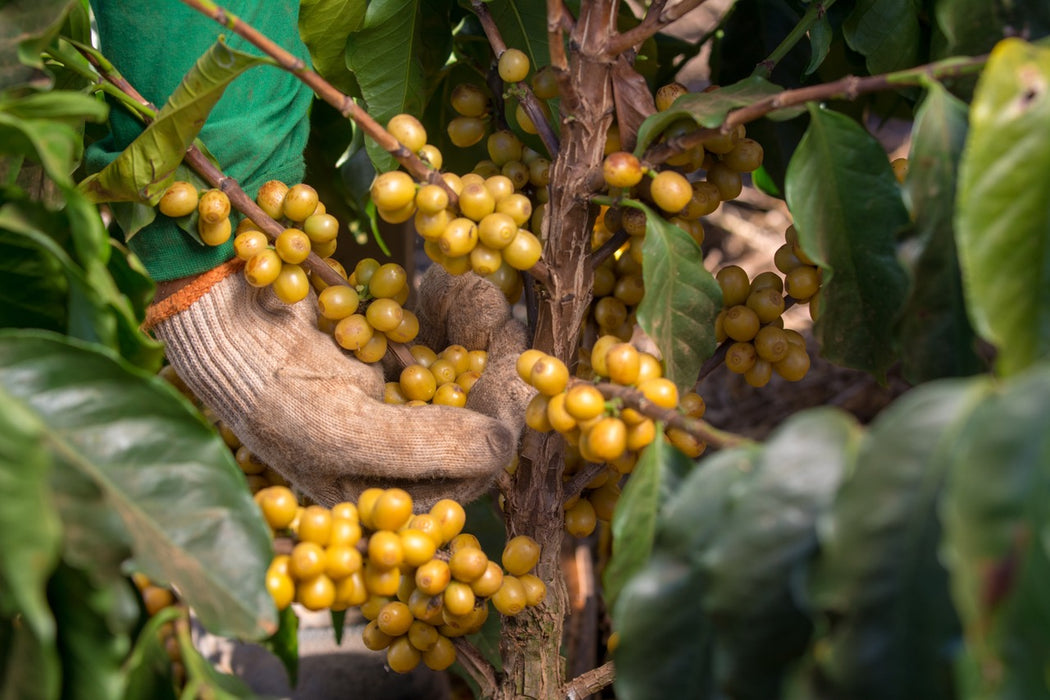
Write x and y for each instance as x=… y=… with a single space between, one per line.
x=847 y=210
x=29 y=527
x=681 y=299
x=878 y=581
x=324 y=26
x=46 y=128
x=58 y=266
x=657 y=475
x=886 y=32
x=996 y=519
x=766 y=540
x=92 y=651
x=972 y=27
x=387 y=56
x=149 y=666
x=145 y=169
x=665 y=650
x=708 y=109
x=189 y=518
x=25 y=30
x=1002 y=221
x=937 y=339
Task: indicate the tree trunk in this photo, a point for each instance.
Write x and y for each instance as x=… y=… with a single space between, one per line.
x=533 y=666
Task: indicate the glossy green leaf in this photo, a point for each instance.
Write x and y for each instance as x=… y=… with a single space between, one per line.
x=30 y=530
x=51 y=289
x=996 y=520
x=820 y=36
x=324 y=26
x=189 y=518
x=25 y=30
x=1002 y=221
x=886 y=32
x=385 y=55
x=972 y=27
x=767 y=538
x=148 y=666
x=878 y=578
x=656 y=476
x=847 y=210
x=937 y=339
x=93 y=649
x=681 y=299
x=145 y=169
x=56 y=146
x=709 y=109
x=665 y=639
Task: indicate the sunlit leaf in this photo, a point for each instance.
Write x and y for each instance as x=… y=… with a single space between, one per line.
x=681 y=299
x=1002 y=221
x=847 y=210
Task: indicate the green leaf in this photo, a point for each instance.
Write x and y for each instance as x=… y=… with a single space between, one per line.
x=886 y=32
x=30 y=530
x=25 y=30
x=324 y=26
x=666 y=641
x=62 y=293
x=385 y=56
x=189 y=517
x=879 y=579
x=1002 y=221
x=767 y=537
x=847 y=210
x=656 y=476
x=972 y=27
x=996 y=518
x=937 y=339
x=681 y=299
x=709 y=109
x=148 y=665
x=523 y=26
x=56 y=146
x=92 y=649
x=820 y=36
x=666 y=638
x=284 y=644
x=145 y=169
x=29 y=669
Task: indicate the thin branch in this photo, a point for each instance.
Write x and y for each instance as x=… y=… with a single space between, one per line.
x=477 y=666
x=848 y=88
x=656 y=18
x=591 y=682
x=522 y=90
x=575 y=486
x=608 y=248
x=325 y=90
x=814 y=13
x=700 y=429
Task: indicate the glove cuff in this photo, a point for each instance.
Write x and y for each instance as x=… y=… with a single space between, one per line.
x=186 y=294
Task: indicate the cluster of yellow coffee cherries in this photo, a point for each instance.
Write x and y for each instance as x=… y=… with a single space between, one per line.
x=418 y=579
x=599 y=430
x=751 y=323
x=443 y=378
x=484 y=229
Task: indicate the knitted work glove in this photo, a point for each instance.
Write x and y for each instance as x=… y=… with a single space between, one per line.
x=316 y=414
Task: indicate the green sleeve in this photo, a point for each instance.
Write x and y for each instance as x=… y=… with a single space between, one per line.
x=257 y=131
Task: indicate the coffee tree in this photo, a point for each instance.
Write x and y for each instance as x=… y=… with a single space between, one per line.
x=549 y=148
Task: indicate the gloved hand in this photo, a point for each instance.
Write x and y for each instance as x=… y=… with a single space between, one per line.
x=315 y=413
